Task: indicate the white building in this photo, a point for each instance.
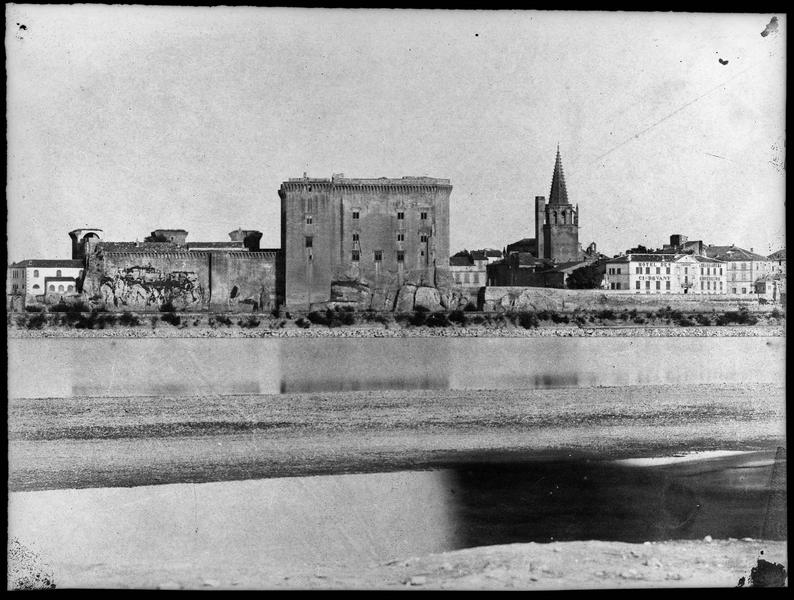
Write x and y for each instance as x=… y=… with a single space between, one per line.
x=36 y=278
x=664 y=274
x=744 y=267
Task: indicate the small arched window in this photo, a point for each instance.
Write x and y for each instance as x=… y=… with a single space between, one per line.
x=52 y=288
x=60 y=288
x=58 y=273
x=554 y=217
x=35 y=273
x=36 y=286
x=70 y=288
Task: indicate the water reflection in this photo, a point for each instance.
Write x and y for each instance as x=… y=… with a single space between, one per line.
x=54 y=367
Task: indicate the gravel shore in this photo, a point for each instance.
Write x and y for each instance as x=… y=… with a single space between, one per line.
x=166 y=331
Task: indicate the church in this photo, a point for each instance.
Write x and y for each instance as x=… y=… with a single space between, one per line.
x=547 y=259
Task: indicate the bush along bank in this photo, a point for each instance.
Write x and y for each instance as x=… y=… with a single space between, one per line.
x=73 y=318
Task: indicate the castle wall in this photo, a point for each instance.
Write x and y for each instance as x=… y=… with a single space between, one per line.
x=243 y=281
x=331 y=206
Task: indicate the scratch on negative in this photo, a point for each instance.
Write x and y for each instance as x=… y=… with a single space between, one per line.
x=676 y=111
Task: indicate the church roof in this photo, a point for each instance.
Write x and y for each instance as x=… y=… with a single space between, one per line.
x=558 y=193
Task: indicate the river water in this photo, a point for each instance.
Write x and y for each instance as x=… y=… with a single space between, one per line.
x=67 y=367
x=145 y=535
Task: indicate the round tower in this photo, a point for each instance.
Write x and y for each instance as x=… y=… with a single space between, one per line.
x=83 y=240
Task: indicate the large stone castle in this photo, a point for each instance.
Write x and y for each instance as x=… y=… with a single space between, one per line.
x=361 y=241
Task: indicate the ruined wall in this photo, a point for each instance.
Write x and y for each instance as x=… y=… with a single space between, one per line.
x=536 y=299
x=146 y=281
x=244 y=281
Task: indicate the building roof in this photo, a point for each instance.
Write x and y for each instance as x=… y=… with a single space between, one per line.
x=460 y=261
x=142 y=247
x=558 y=193
x=235 y=245
x=705 y=259
x=571 y=265
x=479 y=255
x=492 y=252
x=731 y=253
x=650 y=257
x=779 y=255
x=49 y=263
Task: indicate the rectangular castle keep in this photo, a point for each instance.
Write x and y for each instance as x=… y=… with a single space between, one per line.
x=380 y=233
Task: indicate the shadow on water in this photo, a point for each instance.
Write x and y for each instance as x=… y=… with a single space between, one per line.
x=582 y=500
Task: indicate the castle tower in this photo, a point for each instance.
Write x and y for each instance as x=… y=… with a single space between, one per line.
x=561 y=224
x=540 y=220
x=82 y=239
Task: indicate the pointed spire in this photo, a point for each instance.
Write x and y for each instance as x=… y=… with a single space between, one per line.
x=558 y=193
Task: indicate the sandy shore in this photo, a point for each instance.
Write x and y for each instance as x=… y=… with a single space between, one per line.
x=379 y=331
x=95 y=442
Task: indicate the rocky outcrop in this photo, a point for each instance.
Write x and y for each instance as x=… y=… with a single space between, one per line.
x=429 y=298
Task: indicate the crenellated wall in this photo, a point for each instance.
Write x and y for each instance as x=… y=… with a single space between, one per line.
x=188 y=280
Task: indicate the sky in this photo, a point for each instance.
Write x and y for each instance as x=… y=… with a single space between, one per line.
x=135 y=118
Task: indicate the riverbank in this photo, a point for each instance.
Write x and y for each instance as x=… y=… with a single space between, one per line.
x=555 y=566
x=375 y=331
x=108 y=442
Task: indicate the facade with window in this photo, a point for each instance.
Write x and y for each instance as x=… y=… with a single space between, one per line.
x=469 y=271
x=35 y=278
x=664 y=274
x=743 y=267
x=379 y=232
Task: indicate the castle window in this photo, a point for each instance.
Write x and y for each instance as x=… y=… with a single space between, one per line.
x=423 y=238
x=355 y=237
x=308 y=219
x=400 y=216
x=15 y=287
x=309 y=241
x=36 y=273
x=35 y=286
x=355 y=214
x=423 y=216
x=378 y=255
x=400 y=237
x=400 y=256
x=356 y=256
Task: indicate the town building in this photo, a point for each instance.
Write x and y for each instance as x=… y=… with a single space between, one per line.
x=665 y=274
x=547 y=259
x=744 y=267
x=35 y=279
x=371 y=236
x=778 y=262
x=469 y=270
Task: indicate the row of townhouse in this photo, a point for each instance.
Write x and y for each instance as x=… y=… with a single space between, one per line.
x=718 y=270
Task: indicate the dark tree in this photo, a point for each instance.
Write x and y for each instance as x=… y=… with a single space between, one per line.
x=586 y=278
